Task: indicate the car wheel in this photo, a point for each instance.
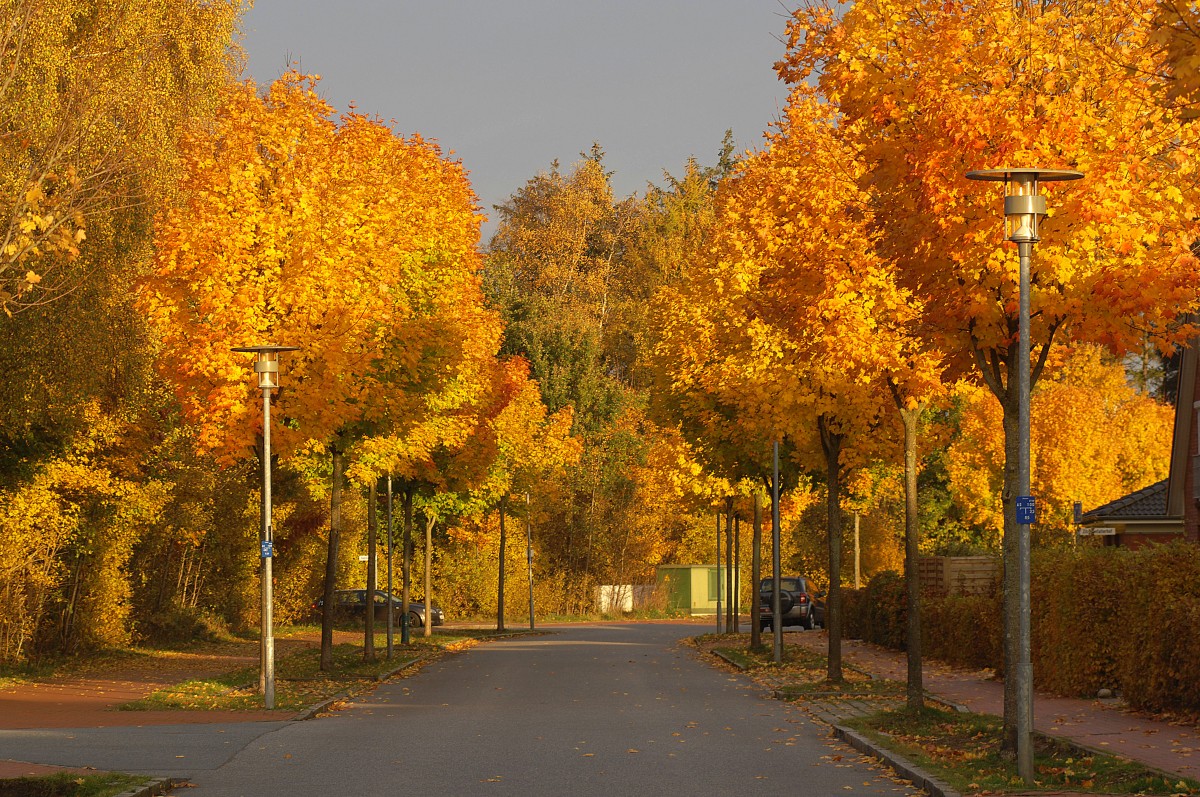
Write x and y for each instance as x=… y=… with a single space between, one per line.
x=414 y=620
x=785 y=604
x=810 y=622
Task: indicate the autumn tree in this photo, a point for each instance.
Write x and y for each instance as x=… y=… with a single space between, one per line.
x=88 y=155
x=1094 y=439
x=84 y=141
x=338 y=235
x=571 y=269
x=927 y=91
x=553 y=271
x=795 y=325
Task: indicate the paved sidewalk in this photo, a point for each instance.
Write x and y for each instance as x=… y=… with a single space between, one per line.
x=1097 y=724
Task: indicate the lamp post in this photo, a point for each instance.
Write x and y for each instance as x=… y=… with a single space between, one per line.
x=1024 y=208
x=529 y=555
x=266 y=365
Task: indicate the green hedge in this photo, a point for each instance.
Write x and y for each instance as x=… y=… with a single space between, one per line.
x=1101 y=618
x=965 y=630
x=877 y=612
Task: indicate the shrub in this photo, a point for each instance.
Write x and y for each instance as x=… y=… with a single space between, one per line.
x=881 y=611
x=180 y=624
x=965 y=630
x=1157 y=647
x=1073 y=618
x=1100 y=617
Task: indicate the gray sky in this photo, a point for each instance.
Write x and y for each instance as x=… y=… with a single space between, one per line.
x=510 y=85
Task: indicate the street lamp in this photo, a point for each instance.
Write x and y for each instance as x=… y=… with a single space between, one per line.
x=1024 y=208
x=266 y=365
x=529 y=555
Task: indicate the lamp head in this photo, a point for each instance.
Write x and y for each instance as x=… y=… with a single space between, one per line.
x=266 y=363
x=1024 y=207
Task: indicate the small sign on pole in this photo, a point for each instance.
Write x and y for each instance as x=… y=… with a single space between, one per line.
x=268 y=549
x=1026 y=510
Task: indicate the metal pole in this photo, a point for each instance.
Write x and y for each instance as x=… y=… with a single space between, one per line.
x=756 y=575
x=737 y=574
x=268 y=553
x=857 y=557
x=529 y=556
x=1024 y=673
x=775 y=558
x=720 y=624
x=391 y=619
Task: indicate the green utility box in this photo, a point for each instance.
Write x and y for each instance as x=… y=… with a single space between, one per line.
x=691 y=588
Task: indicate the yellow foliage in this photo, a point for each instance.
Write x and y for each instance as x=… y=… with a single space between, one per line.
x=92 y=99
x=340 y=237
x=1093 y=439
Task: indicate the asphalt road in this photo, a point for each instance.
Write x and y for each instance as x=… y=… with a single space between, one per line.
x=587 y=710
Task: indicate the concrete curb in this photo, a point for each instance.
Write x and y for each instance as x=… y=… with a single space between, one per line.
x=903 y=767
x=401 y=667
x=320 y=706
x=729 y=660
x=155 y=787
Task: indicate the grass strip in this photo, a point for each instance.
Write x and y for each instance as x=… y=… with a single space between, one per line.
x=68 y=784
x=964 y=751
x=299 y=680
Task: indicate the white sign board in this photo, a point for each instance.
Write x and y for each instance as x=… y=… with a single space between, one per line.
x=1098 y=531
x=363 y=557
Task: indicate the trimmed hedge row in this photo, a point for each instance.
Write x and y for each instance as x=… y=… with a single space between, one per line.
x=1101 y=618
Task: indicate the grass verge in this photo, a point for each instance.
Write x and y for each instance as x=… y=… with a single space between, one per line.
x=66 y=784
x=964 y=751
x=299 y=680
x=960 y=749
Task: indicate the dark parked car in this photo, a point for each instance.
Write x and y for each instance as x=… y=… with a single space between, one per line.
x=799 y=603
x=353 y=603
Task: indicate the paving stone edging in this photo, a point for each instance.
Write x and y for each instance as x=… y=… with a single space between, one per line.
x=154 y=787
x=903 y=767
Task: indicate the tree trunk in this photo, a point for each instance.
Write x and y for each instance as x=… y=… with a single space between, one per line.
x=755 y=575
x=406 y=565
x=372 y=535
x=427 y=626
x=998 y=371
x=831 y=444
x=730 y=620
x=500 y=587
x=916 y=689
x=331 y=558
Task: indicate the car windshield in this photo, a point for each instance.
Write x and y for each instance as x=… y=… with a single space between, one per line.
x=786 y=584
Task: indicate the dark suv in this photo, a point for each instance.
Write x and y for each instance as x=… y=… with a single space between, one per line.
x=799 y=603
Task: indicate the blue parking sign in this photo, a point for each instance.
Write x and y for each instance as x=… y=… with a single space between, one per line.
x=1026 y=510
x=267 y=549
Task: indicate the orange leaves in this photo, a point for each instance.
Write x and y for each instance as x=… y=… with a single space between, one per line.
x=798 y=315
x=342 y=238
x=1093 y=439
x=927 y=90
